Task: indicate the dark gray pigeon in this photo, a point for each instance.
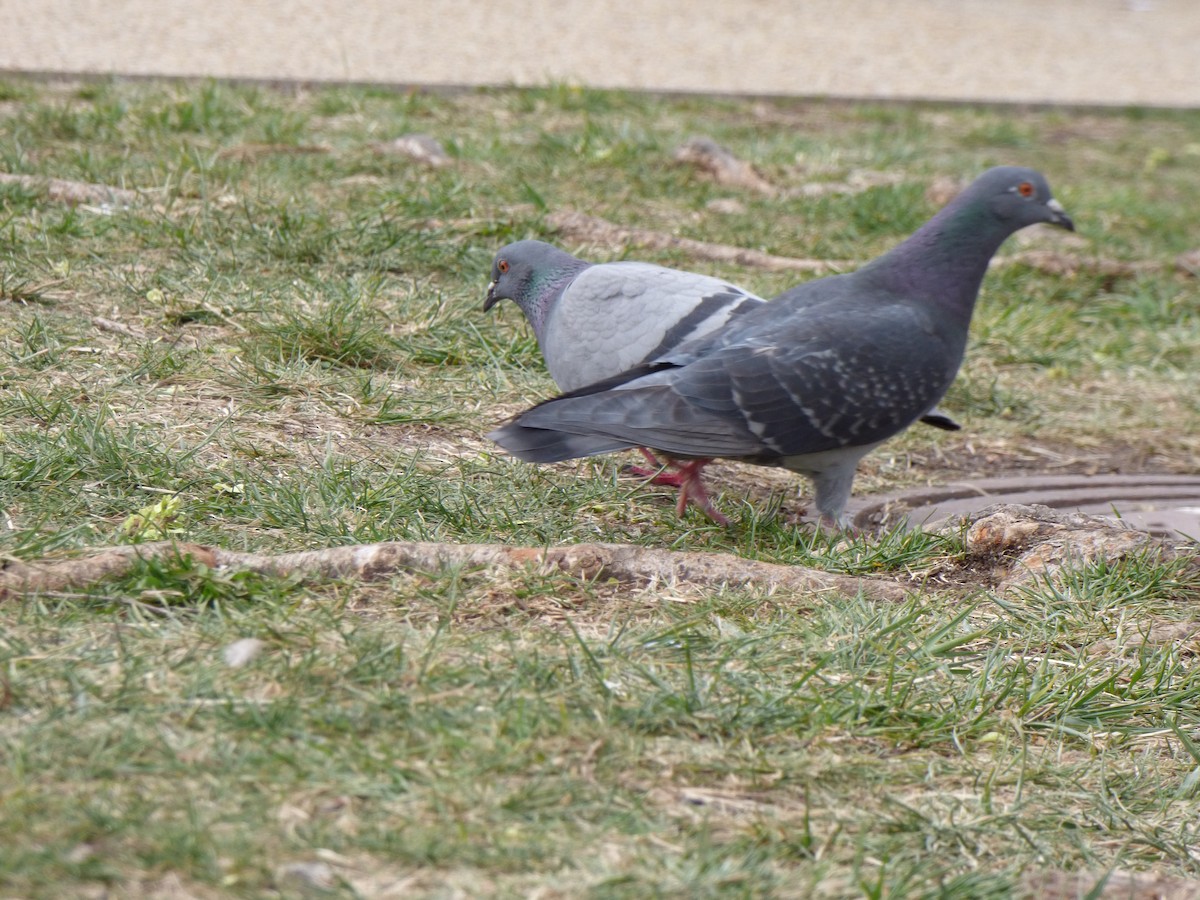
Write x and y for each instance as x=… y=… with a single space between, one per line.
x=815 y=379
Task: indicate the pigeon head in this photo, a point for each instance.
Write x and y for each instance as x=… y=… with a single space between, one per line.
x=1018 y=197
x=947 y=257
x=532 y=275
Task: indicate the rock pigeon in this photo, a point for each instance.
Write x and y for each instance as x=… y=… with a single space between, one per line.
x=818 y=377
x=594 y=321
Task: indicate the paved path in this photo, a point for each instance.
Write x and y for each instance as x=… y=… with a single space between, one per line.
x=1060 y=51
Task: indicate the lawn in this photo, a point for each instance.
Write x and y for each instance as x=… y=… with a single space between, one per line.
x=276 y=343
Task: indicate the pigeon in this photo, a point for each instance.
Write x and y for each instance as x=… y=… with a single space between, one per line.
x=818 y=377
x=595 y=321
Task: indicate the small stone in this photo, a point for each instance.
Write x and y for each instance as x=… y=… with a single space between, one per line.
x=1048 y=237
x=305 y=877
x=80 y=853
x=721 y=165
x=242 y=652
x=726 y=206
x=1189 y=262
x=943 y=189
x=419 y=147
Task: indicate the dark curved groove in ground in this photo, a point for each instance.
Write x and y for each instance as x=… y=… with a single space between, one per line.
x=1160 y=504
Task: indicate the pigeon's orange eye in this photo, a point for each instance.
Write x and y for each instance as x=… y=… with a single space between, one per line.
x=1025 y=189
x=502 y=266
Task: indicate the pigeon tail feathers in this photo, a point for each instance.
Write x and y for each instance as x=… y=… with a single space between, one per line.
x=541 y=445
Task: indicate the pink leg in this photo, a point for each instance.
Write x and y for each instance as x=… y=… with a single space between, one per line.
x=655 y=473
x=651 y=458
x=692 y=489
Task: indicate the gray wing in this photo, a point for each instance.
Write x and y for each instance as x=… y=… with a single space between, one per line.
x=800 y=387
x=617 y=316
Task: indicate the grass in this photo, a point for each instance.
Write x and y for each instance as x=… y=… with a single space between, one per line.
x=307 y=365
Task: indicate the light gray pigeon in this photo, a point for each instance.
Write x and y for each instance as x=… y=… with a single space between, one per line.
x=818 y=377
x=594 y=321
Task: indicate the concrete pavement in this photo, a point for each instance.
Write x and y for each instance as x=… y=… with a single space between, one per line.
x=1143 y=52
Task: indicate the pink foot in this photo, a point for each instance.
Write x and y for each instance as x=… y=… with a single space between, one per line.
x=655 y=474
x=692 y=490
x=686 y=477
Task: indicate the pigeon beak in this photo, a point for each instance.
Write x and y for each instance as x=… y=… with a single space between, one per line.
x=492 y=299
x=1058 y=215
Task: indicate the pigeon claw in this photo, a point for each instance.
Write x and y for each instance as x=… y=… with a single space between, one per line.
x=686 y=477
x=692 y=491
